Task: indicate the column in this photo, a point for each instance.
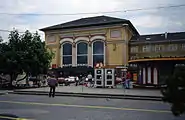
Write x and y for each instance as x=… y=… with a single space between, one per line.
x=155 y=76
x=61 y=56
x=144 y=75
x=74 y=58
x=90 y=61
x=149 y=75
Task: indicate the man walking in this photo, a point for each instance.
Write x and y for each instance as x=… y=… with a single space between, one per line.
x=128 y=78
x=52 y=82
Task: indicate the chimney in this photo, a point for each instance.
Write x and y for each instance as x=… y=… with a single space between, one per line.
x=166 y=35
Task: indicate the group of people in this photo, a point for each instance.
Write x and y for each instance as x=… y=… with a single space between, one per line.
x=53 y=82
x=82 y=78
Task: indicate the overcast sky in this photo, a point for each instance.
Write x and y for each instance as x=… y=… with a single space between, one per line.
x=146 y=22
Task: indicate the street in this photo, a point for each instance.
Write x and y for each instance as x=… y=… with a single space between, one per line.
x=37 y=107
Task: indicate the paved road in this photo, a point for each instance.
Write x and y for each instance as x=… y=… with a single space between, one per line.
x=74 y=108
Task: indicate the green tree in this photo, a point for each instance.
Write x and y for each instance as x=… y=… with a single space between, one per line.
x=24 y=53
x=174 y=93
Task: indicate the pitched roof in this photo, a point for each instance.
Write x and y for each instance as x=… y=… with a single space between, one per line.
x=90 y=21
x=160 y=37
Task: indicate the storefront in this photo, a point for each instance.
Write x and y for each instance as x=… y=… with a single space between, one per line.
x=73 y=71
x=155 y=71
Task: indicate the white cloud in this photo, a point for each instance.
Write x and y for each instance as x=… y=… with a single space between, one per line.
x=149 y=21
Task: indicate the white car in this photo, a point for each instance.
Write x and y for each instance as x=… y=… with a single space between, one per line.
x=70 y=79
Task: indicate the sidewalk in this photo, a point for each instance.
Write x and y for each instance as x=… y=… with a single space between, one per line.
x=2 y=92
x=98 y=91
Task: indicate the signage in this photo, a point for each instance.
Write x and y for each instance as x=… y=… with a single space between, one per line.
x=135 y=76
x=68 y=65
x=179 y=65
x=122 y=67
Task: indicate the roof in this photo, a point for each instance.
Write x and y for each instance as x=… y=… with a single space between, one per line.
x=91 y=21
x=159 y=37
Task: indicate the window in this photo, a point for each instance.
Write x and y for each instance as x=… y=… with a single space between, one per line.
x=67 y=54
x=109 y=77
x=98 y=52
x=183 y=46
x=158 y=48
x=82 y=53
x=146 y=48
x=172 y=47
x=134 y=49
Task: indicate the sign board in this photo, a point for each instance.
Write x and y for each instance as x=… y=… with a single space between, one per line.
x=122 y=67
x=135 y=76
x=68 y=65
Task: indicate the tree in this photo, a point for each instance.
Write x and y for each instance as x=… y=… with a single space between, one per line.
x=24 y=53
x=174 y=93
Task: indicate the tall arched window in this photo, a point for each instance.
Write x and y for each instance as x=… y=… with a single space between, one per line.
x=98 y=52
x=82 y=53
x=67 y=54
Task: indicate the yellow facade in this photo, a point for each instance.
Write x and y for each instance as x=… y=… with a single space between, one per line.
x=116 y=48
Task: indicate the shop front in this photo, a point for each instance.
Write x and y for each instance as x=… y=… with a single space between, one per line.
x=154 y=72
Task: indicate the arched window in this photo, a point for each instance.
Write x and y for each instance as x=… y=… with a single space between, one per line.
x=82 y=53
x=67 y=54
x=98 y=52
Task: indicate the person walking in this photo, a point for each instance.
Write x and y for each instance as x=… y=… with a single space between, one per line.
x=79 y=79
x=90 y=81
x=128 y=78
x=52 y=82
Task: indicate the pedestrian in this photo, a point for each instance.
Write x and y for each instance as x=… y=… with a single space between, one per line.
x=79 y=79
x=89 y=77
x=52 y=82
x=128 y=78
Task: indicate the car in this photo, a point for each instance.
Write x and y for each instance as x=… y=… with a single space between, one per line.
x=70 y=79
x=61 y=80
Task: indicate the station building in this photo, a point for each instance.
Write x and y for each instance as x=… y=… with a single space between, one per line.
x=90 y=41
x=110 y=42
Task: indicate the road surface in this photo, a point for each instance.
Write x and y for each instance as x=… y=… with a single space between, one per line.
x=35 y=107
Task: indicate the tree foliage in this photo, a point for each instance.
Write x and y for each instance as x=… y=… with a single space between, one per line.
x=174 y=93
x=24 y=53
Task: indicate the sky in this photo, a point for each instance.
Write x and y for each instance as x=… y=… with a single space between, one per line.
x=146 y=21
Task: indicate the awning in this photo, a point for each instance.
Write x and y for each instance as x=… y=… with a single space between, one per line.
x=156 y=59
x=74 y=69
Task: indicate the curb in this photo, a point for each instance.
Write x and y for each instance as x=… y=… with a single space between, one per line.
x=3 y=92
x=132 y=97
x=93 y=94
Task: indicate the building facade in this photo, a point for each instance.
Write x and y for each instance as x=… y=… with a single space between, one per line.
x=88 y=41
x=156 y=55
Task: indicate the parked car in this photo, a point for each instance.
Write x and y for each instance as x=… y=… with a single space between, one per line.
x=63 y=81
x=70 y=79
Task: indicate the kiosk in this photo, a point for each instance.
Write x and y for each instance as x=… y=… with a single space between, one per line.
x=109 y=77
x=99 y=77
